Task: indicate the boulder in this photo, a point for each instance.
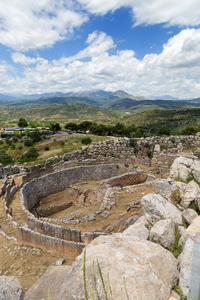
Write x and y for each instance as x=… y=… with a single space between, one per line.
x=163 y=233
x=157 y=207
x=138 y=228
x=193 y=228
x=188 y=192
x=186 y=263
x=142 y=268
x=189 y=215
x=183 y=166
x=166 y=187
x=10 y=288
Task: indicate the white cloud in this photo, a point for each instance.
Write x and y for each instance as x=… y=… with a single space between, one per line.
x=99 y=42
x=20 y=58
x=179 y=12
x=34 y=24
x=174 y=71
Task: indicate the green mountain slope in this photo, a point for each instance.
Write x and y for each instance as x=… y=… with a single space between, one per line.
x=175 y=119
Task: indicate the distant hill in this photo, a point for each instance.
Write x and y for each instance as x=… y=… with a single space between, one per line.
x=175 y=119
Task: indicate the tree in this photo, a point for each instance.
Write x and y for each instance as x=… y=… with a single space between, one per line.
x=22 y=123
x=163 y=130
x=35 y=136
x=188 y=130
x=54 y=127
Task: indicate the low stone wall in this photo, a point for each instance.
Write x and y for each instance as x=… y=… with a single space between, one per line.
x=127 y=179
x=35 y=190
x=49 y=244
x=45 y=212
x=56 y=231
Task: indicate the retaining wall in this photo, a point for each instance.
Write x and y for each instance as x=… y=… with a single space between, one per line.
x=49 y=244
x=56 y=231
x=35 y=190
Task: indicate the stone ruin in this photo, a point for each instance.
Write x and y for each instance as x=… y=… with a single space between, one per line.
x=39 y=182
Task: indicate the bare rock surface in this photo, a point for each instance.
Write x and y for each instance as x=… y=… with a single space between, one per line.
x=193 y=228
x=186 y=263
x=163 y=232
x=188 y=192
x=48 y=285
x=10 y=288
x=166 y=187
x=157 y=207
x=149 y=270
x=189 y=215
x=183 y=166
x=138 y=228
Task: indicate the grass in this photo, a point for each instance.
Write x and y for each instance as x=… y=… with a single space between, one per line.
x=176 y=249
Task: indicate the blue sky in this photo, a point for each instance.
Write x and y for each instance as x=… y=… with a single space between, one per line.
x=142 y=47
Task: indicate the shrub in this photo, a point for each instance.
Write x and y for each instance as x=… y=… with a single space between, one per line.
x=62 y=144
x=133 y=142
x=20 y=147
x=14 y=139
x=28 y=142
x=1 y=142
x=188 y=130
x=149 y=153
x=86 y=140
x=5 y=159
x=163 y=130
x=29 y=156
x=46 y=148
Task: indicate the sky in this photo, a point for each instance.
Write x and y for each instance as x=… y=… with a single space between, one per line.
x=143 y=47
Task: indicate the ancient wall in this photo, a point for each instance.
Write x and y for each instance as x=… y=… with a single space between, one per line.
x=49 y=244
x=41 y=187
x=56 y=231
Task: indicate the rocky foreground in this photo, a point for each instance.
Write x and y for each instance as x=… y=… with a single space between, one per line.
x=148 y=259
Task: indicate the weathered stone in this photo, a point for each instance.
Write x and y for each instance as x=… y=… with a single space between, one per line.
x=105 y=214
x=166 y=187
x=158 y=207
x=186 y=263
x=149 y=271
x=189 y=215
x=138 y=228
x=193 y=228
x=59 y=262
x=183 y=166
x=189 y=192
x=10 y=288
x=163 y=232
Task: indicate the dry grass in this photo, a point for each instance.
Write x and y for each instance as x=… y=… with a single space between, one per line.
x=26 y=263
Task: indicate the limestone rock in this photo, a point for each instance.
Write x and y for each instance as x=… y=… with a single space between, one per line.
x=163 y=233
x=157 y=207
x=138 y=228
x=149 y=271
x=186 y=266
x=183 y=166
x=193 y=228
x=10 y=288
x=166 y=187
x=174 y=296
x=189 y=215
x=189 y=192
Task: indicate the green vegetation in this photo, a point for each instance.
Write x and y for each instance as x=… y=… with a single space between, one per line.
x=22 y=123
x=176 y=249
x=29 y=156
x=194 y=206
x=86 y=140
x=180 y=293
x=54 y=127
x=46 y=148
x=163 y=130
x=176 y=198
x=5 y=159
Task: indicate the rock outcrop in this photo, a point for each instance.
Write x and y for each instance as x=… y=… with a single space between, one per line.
x=10 y=288
x=163 y=233
x=143 y=269
x=157 y=207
